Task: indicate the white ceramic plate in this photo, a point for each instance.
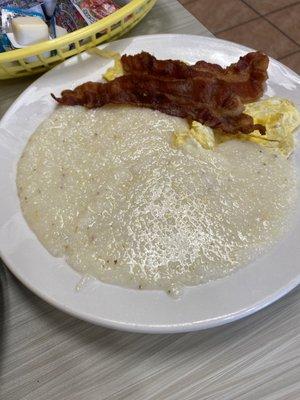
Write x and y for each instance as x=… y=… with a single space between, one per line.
x=204 y=306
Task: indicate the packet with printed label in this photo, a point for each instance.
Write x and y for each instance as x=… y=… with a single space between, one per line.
x=94 y=10
x=8 y=13
x=68 y=17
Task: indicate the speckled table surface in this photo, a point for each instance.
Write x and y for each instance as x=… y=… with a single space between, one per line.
x=48 y=355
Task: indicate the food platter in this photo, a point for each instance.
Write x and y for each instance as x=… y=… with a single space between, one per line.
x=238 y=295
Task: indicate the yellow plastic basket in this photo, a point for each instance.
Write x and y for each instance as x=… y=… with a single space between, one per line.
x=42 y=56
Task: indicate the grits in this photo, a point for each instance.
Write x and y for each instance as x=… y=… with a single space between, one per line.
x=106 y=190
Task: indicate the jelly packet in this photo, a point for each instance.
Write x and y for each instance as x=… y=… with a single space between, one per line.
x=68 y=17
x=94 y=10
x=24 y=5
x=8 y=13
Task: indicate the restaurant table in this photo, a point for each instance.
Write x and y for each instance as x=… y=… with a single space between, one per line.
x=49 y=355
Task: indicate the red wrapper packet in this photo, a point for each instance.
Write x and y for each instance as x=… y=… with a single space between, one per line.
x=68 y=17
x=93 y=10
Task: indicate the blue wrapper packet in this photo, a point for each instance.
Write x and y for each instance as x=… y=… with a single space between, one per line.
x=8 y=13
x=28 y=5
x=20 y=3
x=49 y=7
x=5 y=44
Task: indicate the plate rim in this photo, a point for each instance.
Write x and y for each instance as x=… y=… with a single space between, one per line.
x=158 y=328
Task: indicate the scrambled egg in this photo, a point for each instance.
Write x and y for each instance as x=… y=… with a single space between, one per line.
x=201 y=133
x=279 y=116
x=116 y=70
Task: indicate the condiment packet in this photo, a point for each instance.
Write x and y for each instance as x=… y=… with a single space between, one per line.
x=8 y=13
x=93 y=10
x=5 y=44
x=49 y=7
x=68 y=17
x=30 y=5
x=25 y=4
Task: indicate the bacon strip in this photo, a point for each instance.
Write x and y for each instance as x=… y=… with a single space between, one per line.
x=202 y=92
x=164 y=95
x=246 y=78
x=215 y=94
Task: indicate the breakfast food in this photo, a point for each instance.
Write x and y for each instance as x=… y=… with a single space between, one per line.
x=130 y=193
x=246 y=78
x=107 y=190
x=165 y=96
x=279 y=116
x=211 y=98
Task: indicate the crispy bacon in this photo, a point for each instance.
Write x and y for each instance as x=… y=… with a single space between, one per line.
x=196 y=91
x=202 y=92
x=246 y=78
x=178 y=98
